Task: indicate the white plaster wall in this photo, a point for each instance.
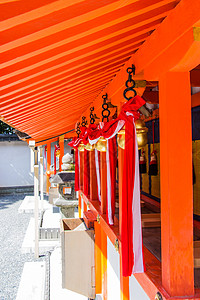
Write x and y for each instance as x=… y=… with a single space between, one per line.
x=15 y=164
x=113 y=272
x=136 y=291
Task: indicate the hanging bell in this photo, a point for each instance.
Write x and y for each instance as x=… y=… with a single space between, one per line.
x=58 y=153
x=121 y=138
x=153 y=166
x=142 y=163
x=81 y=147
x=141 y=132
x=89 y=147
x=101 y=145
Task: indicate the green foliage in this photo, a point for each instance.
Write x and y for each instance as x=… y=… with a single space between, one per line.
x=5 y=129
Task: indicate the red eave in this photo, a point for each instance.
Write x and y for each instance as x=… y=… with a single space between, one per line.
x=57 y=58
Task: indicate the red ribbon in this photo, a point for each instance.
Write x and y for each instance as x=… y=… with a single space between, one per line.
x=108 y=128
x=86 y=174
x=129 y=113
x=111 y=180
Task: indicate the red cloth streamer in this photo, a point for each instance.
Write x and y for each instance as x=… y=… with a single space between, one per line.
x=111 y=159
x=86 y=174
x=153 y=133
x=98 y=173
x=57 y=147
x=76 y=170
x=131 y=237
x=132 y=255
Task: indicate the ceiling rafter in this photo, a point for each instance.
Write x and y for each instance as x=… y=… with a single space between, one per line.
x=55 y=59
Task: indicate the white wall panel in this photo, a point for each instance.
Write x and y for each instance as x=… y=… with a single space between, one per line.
x=15 y=164
x=113 y=272
x=136 y=291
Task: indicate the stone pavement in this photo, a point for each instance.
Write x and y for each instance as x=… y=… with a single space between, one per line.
x=33 y=284
x=12 y=230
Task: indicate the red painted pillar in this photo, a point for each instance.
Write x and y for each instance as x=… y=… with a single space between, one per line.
x=176 y=184
x=104 y=263
x=98 y=265
x=79 y=203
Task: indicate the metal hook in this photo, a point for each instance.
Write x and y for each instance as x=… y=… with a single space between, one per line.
x=105 y=97
x=84 y=122
x=92 y=119
x=78 y=131
x=105 y=112
x=130 y=83
x=131 y=70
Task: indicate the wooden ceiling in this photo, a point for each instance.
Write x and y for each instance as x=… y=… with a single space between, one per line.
x=57 y=56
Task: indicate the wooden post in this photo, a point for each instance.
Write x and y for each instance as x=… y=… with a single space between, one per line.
x=104 y=263
x=79 y=204
x=48 y=172
x=61 y=144
x=176 y=184
x=98 y=269
x=93 y=177
x=36 y=206
x=41 y=178
x=103 y=170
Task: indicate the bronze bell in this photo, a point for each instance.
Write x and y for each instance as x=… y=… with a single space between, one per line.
x=101 y=145
x=58 y=153
x=81 y=147
x=121 y=138
x=141 y=131
x=89 y=147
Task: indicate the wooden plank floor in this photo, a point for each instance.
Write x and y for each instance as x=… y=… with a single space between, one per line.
x=152 y=241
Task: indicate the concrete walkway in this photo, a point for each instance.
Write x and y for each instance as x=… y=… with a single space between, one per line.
x=56 y=291
x=27 y=205
x=32 y=284
x=12 y=230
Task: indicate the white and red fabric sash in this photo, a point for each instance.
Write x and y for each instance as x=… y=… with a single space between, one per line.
x=97 y=165
x=131 y=237
x=86 y=174
x=111 y=161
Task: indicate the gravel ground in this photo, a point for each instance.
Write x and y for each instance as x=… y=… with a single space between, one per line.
x=12 y=230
